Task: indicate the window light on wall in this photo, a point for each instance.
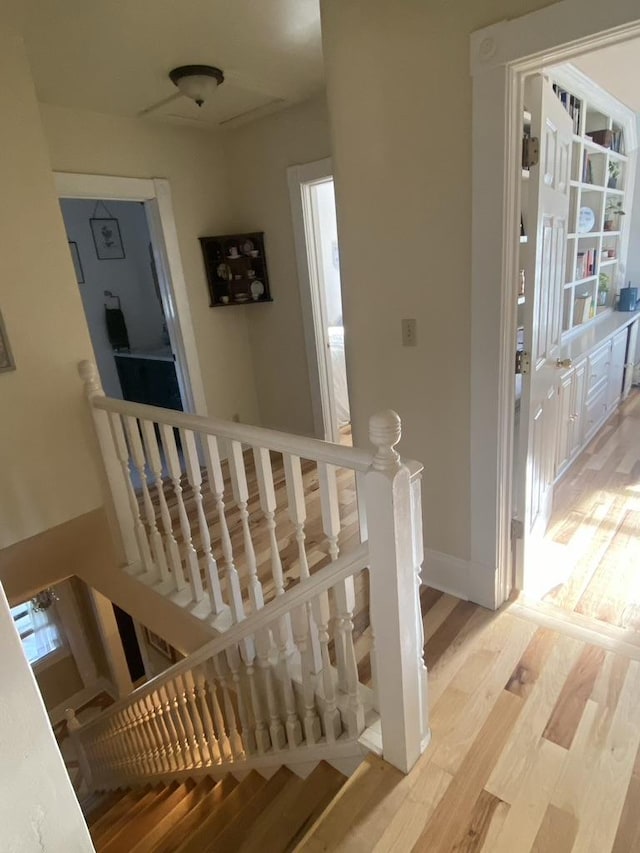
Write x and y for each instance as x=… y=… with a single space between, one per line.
x=38 y=626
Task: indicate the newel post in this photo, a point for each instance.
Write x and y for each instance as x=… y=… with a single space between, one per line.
x=117 y=483
x=83 y=763
x=394 y=535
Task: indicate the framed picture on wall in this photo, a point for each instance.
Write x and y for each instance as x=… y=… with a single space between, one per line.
x=77 y=264
x=107 y=239
x=6 y=358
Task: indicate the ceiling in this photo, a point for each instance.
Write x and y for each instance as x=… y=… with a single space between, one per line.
x=616 y=69
x=114 y=57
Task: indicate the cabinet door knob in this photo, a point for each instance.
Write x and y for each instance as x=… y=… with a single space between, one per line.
x=564 y=362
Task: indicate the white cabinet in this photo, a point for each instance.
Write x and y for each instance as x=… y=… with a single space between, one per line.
x=632 y=347
x=616 y=368
x=576 y=415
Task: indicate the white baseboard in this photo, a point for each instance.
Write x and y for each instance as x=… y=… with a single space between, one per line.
x=102 y=685
x=462 y=578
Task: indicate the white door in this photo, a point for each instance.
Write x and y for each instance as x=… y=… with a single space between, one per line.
x=549 y=210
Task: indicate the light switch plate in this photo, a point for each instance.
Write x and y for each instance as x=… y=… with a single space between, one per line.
x=409 y=333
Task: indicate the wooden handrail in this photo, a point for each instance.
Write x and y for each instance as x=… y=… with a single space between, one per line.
x=305 y=591
x=282 y=442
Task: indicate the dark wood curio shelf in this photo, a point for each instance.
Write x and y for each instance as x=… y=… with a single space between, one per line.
x=236 y=269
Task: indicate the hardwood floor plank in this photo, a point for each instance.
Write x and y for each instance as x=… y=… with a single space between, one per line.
x=529 y=805
x=628 y=835
x=444 y=637
x=569 y=708
x=557 y=833
x=530 y=665
x=473 y=837
x=519 y=756
x=436 y=615
x=450 y=817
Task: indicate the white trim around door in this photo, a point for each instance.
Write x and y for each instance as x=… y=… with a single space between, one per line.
x=501 y=56
x=300 y=179
x=155 y=193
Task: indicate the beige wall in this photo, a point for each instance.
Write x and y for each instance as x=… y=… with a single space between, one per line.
x=192 y=161
x=58 y=681
x=399 y=94
x=47 y=474
x=38 y=809
x=258 y=156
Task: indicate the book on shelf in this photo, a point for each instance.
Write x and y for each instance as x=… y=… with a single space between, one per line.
x=571 y=104
x=585 y=264
x=587 y=171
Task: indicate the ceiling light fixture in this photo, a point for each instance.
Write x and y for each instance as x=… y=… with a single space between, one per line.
x=197 y=81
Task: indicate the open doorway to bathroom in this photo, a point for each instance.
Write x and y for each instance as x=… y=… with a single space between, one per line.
x=115 y=267
x=316 y=232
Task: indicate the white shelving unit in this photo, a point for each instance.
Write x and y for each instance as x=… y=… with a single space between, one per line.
x=601 y=179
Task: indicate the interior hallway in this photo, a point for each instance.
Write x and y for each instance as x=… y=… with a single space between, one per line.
x=595 y=528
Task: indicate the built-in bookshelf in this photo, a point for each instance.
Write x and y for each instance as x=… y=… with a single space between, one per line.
x=599 y=199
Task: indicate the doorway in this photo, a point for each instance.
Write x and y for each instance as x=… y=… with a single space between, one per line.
x=316 y=232
x=497 y=209
x=118 y=281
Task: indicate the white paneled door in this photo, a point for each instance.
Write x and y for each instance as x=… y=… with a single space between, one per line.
x=548 y=209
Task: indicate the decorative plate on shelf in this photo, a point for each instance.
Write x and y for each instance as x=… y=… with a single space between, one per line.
x=222 y=271
x=586 y=220
x=257 y=289
x=247 y=247
x=241 y=297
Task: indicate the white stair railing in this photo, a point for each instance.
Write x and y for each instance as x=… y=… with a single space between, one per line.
x=233 y=522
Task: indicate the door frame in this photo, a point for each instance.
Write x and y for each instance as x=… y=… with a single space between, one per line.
x=500 y=57
x=300 y=179
x=155 y=194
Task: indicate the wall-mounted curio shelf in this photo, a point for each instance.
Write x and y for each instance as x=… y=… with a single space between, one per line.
x=236 y=269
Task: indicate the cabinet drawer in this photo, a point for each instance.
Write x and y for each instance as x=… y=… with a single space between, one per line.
x=595 y=409
x=594 y=390
x=598 y=366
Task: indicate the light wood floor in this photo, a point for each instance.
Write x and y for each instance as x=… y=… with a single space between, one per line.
x=595 y=528
x=535 y=738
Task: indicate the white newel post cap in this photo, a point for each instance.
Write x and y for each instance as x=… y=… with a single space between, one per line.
x=89 y=374
x=385 y=430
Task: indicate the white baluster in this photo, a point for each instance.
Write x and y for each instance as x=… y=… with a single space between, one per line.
x=330 y=509
x=177 y=748
x=194 y=475
x=394 y=594
x=264 y=474
x=123 y=457
x=72 y=727
x=118 y=478
x=170 y=543
x=175 y=472
x=302 y=639
x=216 y=486
x=183 y=738
x=276 y=729
x=241 y=497
x=330 y=715
x=194 y=715
x=187 y=721
x=153 y=748
x=297 y=509
x=157 y=735
x=348 y=665
x=139 y=462
x=418 y=557
x=238 y=748
x=215 y=753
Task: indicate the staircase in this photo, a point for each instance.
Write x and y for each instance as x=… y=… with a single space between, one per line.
x=303 y=558
x=200 y=816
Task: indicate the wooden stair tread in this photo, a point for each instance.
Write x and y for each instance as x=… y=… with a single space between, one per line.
x=293 y=811
x=142 y=823
x=97 y=805
x=146 y=798
x=116 y=811
x=236 y=832
x=171 y=818
x=194 y=820
x=224 y=815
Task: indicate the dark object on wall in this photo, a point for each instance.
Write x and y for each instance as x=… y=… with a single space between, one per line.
x=107 y=239
x=6 y=358
x=149 y=381
x=236 y=269
x=130 y=644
